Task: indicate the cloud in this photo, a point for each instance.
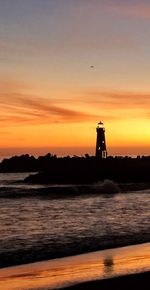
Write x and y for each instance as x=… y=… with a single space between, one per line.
x=38 y=112
x=123 y=105
x=18 y=106
x=121 y=99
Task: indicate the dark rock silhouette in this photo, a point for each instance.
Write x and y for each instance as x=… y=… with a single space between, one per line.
x=90 y=170
x=79 y=170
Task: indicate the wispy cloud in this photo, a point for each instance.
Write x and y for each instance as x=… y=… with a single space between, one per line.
x=123 y=105
x=38 y=112
x=20 y=107
x=121 y=99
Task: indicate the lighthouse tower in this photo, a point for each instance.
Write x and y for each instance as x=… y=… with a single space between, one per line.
x=101 y=151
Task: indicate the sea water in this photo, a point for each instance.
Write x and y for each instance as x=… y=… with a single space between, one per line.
x=35 y=226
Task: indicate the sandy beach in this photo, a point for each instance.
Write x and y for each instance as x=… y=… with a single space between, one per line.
x=107 y=269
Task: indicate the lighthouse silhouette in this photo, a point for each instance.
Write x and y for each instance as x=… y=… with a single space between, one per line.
x=101 y=151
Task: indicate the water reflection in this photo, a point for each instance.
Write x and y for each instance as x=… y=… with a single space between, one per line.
x=58 y=273
x=108 y=265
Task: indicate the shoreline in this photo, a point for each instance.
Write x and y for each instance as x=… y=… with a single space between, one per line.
x=54 y=256
x=91 y=270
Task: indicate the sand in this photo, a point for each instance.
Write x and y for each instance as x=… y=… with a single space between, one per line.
x=120 y=268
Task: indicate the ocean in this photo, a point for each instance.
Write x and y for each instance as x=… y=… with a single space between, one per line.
x=36 y=226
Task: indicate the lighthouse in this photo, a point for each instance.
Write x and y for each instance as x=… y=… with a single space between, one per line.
x=101 y=151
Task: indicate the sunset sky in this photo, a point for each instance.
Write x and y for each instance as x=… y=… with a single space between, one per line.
x=66 y=65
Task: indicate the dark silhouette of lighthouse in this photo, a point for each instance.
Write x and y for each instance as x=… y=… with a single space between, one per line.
x=101 y=151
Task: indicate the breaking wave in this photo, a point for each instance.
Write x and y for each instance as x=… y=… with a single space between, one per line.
x=108 y=187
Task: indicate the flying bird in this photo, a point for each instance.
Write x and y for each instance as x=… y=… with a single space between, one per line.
x=92 y=66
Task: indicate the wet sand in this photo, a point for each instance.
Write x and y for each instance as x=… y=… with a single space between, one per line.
x=108 y=269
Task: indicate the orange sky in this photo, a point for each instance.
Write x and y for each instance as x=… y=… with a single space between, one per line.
x=51 y=98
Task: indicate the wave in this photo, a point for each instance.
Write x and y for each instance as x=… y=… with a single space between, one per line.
x=57 y=191
x=108 y=186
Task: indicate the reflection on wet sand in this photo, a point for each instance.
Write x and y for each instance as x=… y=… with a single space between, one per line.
x=108 y=265
x=59 y=273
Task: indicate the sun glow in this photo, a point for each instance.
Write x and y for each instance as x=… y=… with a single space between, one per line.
x=54 y=90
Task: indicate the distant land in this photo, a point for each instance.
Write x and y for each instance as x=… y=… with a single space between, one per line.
x=79 y=170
